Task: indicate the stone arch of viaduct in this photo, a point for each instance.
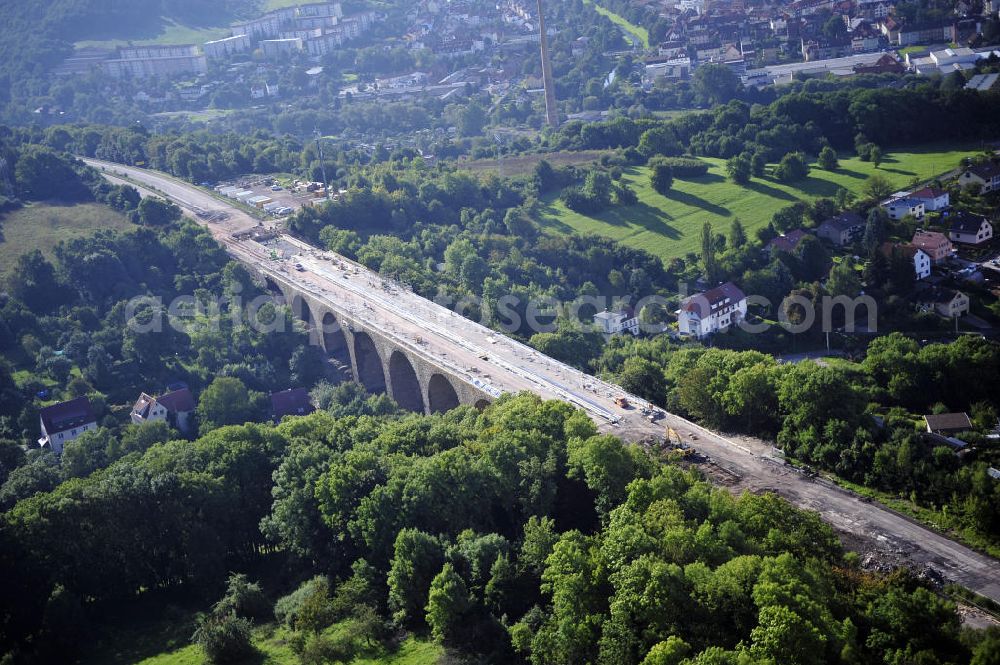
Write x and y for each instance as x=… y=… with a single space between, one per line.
x=377 y=361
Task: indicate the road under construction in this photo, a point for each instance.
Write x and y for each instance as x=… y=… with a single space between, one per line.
x=495 y=364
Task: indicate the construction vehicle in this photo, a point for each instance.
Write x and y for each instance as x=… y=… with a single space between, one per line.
x=621 y=402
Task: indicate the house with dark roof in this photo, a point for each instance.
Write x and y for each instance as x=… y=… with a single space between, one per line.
x=947 y=423
x=986 y=175
x=291 y=402
x=174 y=407
x=714 y=310
x=64 y=422
x=788 y=242
x=970 y=229
x=843 y=229
x=944 y=302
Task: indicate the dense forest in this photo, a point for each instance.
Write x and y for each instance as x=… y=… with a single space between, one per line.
x=861 y=421
x=513 y=535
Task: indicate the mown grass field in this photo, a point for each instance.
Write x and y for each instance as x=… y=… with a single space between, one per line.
x=171 y=32
x=43 y=225
x=637 y=31
x=670 y=226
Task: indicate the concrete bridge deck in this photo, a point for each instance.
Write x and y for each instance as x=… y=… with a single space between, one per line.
x=383 y=325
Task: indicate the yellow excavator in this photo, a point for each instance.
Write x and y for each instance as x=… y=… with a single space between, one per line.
x=675 y=442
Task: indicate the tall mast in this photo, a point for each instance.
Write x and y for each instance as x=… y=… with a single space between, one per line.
x=551 y=112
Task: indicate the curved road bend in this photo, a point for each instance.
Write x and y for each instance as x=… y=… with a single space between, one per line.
x=498 y=364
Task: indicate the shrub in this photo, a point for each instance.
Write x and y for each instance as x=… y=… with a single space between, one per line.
x=683 y=167
x=321 y=649
x=662 y=178
x=739 y=169
x=244 y=599
x=224 y=638
x=290 y=609
x=624 y=195
x=792 y=167
x=633 y=156
x=827 y=158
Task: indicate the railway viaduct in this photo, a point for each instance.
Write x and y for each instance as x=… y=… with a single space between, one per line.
x=381 y=362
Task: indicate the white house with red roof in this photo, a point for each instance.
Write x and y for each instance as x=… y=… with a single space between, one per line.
x=175 y=408
x=714 y=310
x=936 y=245
x=933 y=198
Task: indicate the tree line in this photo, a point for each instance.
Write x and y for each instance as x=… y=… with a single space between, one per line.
x=862 y=421
x=518 y=534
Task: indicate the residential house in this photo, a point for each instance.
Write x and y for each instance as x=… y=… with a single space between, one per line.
x=925 y=33
x=945 y=302
x=875 y=8
x=934 y=198
x=174 y=408
x=947 y=423
x=716 y=309
x=813 y=50
x=986 y=175
x=937 y=245
x=970 y=229
x=843 y=229
x=898 y=208
x=64 y=422
x=613 y=323
x=918 y=257
x=788 y=242
x=886 y=64
x=291 y=402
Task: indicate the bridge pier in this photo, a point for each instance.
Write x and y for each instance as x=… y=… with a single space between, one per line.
x=377 y=361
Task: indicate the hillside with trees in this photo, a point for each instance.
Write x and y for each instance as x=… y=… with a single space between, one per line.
x=513 y=535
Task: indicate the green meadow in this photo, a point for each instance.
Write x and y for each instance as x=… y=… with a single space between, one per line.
x=44 y=225
x=670 y=226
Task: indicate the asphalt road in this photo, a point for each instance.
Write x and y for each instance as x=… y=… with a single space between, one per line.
x=497 y=364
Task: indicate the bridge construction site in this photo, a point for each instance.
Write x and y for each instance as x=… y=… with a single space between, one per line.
x=490 y=364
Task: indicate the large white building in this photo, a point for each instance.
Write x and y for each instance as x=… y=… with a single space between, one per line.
x=142 y=62
x=714 y=310
x=63 y=422
x=223 y=48
x=275 y=47
x=613 y=323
